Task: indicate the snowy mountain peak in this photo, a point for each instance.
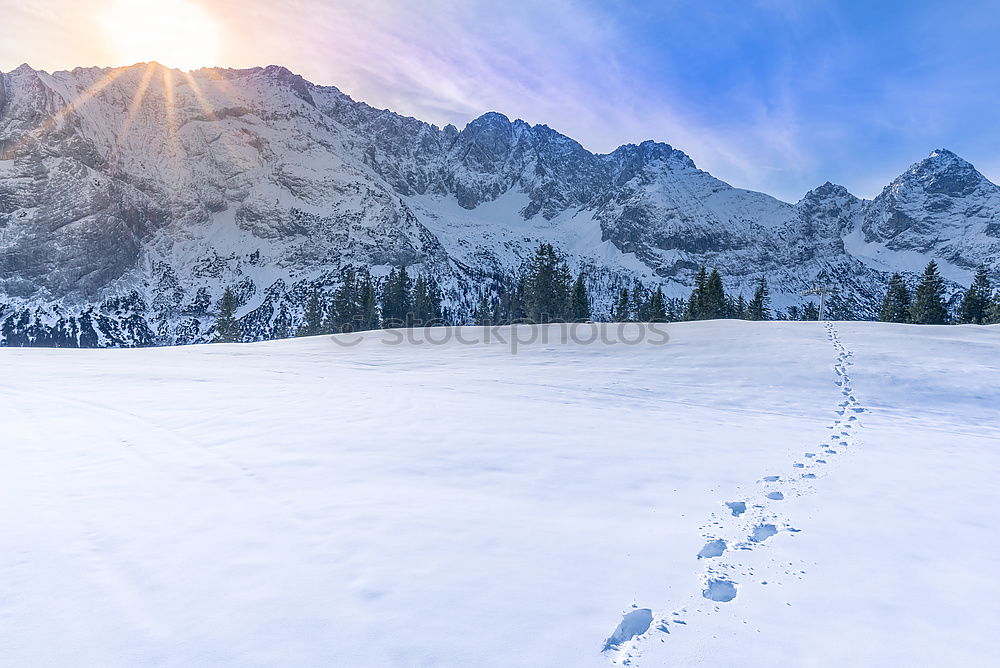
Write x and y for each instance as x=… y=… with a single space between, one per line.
x=130 y=200
x=944 y=172
x=490 y=119
x=943 y=155
x=828 y=190
x=940 y=208
x=23 y=68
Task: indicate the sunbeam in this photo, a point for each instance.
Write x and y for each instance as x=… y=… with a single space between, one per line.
x=173 y=145
x=202 y=100
x=59 y=116
x=133 y=109
x=208 y=109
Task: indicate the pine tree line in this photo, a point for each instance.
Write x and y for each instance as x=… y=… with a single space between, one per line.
x=928 y=304
x=709 y=301
x=359 y=303
x=545 y=291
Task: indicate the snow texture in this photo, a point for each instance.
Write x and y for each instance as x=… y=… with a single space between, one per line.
x=304 y=503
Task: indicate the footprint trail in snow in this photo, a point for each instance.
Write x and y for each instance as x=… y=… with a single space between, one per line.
x=743 y=525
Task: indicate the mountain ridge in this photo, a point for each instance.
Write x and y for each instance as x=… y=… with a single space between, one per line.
x=160 y=188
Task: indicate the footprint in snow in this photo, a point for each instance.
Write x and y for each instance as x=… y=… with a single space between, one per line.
x=721 y=591
x=762 y=532
x=713 y=548
x=633 y=624
x=737 y=507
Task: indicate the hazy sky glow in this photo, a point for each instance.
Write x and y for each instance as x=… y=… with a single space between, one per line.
x=774 y=95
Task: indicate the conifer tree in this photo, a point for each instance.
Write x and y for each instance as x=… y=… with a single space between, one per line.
x=730 y=307
x=929 y=307
x=713 y=297
x=484 y=312
x=896 y=304
x=976 y=301
x=281 y=324
x=993 y=312
x=547 y=288
x=227 y=327
x=696 y=302
x=426 y=301
x=312 y=322
x=794 y=313
x=388 y=304
x=657 y=306
x=810 y=311
x=344 y=310
x=515 y=302
x=368 y=314
x=434 y=306
x=420 y=301
x=623 y=307
x=675 y=309
x=640 y=302
x=579 y=301
x=404 y=296
x=759 y=307
x=397 y=299
x=692 y=310
x=741 y=308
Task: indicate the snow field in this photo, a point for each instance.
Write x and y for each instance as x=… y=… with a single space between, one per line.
x=305 y=503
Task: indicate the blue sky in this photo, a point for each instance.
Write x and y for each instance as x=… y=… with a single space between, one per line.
x=773 y=95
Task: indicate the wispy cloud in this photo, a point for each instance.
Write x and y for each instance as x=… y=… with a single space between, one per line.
x=776 y=95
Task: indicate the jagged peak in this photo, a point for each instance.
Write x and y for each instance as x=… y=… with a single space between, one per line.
x=490 y=118
x=942 y=157
x=941 y=172
x=828 y=190
x=943 y=153
x=23 y=68
x=650 y=150
x=278 y=71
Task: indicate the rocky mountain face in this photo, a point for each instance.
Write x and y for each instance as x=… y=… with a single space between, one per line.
x=131 y=198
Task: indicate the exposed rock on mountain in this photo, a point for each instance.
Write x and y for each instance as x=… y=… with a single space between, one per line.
x=130 y=198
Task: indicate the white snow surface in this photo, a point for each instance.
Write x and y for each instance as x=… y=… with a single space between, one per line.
x=306 y=503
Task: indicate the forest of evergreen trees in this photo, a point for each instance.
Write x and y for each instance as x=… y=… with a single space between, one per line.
x=545 y=291
x=927 y=303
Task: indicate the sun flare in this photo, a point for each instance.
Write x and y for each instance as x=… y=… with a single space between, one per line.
x=175 y=33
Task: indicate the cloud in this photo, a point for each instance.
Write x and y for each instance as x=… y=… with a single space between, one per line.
x=775 y=95
x=576 y=66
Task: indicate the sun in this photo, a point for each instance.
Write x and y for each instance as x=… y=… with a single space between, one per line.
x=175 y=33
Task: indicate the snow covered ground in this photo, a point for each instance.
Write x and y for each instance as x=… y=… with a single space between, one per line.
x=304 y=503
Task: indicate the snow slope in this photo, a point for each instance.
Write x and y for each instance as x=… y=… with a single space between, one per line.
x=304 y=502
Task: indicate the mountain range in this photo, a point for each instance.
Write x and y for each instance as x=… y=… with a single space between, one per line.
x=130 y=198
